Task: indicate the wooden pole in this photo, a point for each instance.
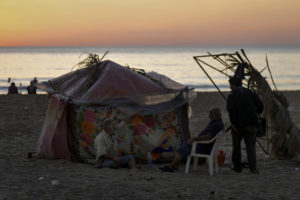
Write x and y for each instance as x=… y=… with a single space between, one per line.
x=270 y=73
x=198 y=60
x=210 y=79
x=222 y=62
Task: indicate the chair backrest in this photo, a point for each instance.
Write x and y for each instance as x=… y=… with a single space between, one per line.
x=218 y=140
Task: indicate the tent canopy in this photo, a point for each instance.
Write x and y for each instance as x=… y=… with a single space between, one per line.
x=109 y=83
x=80 y=101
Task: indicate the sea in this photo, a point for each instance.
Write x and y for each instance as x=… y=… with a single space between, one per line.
x=22 y=64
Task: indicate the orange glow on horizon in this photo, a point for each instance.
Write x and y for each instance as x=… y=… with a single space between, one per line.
x=149 y=22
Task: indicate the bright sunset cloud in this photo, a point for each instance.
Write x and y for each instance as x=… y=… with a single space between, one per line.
x=149 y=22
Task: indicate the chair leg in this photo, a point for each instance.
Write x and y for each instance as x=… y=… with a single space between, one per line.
x=216 y=164
x=187 y=166
x=195 y=164
x=210 y=166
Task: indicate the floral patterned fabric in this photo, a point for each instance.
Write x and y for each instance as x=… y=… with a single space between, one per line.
x=158 y=133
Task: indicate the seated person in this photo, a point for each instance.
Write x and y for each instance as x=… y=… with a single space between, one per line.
x=31 y=89
x=105 y=146
x=209 y=132
x=12 y=89
x=35 y=80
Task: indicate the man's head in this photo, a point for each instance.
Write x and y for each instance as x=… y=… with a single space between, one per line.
x=108 y=125
x=215 y=113
x=235 y=82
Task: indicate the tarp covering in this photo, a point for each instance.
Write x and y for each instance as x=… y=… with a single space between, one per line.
x=111 y=80
x=53 y=142
x=112 y=84
x=109 y=88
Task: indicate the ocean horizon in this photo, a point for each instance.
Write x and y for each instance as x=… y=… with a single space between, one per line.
x=22 y=64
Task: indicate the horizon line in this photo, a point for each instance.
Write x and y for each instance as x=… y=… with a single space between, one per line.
x=144 y=46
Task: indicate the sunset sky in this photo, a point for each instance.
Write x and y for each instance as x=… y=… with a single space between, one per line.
x=149 y=22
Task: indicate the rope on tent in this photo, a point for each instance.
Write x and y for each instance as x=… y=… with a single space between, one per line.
x=59 y=91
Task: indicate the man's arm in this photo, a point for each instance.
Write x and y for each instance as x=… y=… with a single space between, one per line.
x=258 y=103
x=200 y=138
x=114 y=158
x=230 y=105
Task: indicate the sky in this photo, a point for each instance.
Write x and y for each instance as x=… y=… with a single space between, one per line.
x=149 y=22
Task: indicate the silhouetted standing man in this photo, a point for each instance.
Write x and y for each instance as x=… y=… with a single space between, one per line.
x=243 y=106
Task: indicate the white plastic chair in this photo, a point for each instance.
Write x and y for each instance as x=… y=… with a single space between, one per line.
x=212 y=157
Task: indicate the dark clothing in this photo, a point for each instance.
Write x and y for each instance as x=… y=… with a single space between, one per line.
x=31 y=89
x=243 y=106
x=213 y=128
x=13 y=90
x=248 y=133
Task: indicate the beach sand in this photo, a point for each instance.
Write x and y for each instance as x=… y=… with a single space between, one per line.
x=21 y=120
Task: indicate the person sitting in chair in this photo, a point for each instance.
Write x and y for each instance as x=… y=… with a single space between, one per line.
x=209 y=132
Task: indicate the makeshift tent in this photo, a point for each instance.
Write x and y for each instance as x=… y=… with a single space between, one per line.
x=81 y=100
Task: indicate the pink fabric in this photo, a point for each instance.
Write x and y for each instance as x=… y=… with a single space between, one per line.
x=112 y=80
x=53 y=140
x=118 y=81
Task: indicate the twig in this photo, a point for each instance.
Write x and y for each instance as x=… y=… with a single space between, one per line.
x=270 y=73
x=243 y=52
x=104 y=55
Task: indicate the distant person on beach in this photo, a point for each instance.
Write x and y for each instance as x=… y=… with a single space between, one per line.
x=243 y=106
x=209 y=132
x=35 y=80
x=31 y=89
x=12 y=89
x=105 y=147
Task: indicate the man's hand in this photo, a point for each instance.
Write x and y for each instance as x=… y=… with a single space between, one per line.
x=234 y=128
x=191 y=140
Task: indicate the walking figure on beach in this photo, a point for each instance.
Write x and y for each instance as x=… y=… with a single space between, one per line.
x=243 y=106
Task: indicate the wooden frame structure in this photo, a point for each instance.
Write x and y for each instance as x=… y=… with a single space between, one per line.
x=229 y=62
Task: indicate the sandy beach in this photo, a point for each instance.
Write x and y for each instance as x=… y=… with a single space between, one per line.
x=21 y=120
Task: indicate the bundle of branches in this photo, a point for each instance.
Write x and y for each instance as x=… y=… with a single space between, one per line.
x=285 y=136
